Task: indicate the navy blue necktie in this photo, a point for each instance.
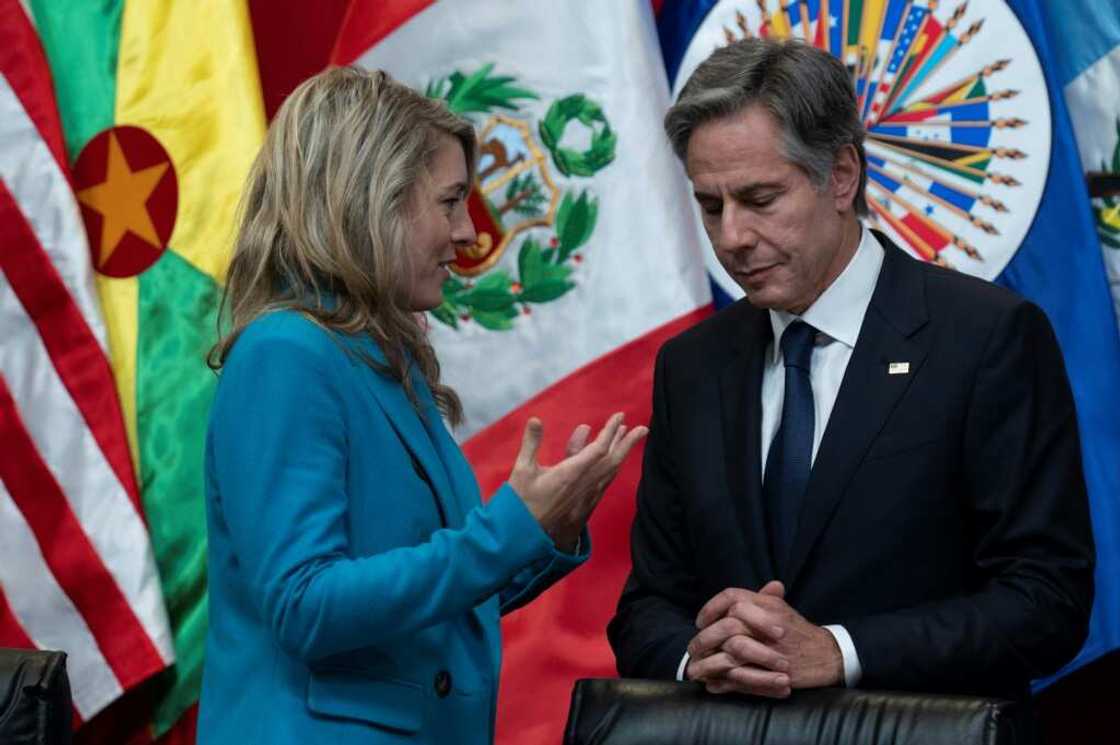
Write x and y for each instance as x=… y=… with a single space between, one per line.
x=791 y=453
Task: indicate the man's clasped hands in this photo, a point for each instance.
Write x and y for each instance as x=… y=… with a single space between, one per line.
x=756 y=643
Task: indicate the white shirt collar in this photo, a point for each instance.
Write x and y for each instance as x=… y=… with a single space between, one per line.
x=838 y=312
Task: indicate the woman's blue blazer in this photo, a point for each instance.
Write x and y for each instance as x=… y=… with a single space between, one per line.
x=356 y=579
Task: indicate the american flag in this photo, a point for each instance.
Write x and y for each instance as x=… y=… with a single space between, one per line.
x=76 y=566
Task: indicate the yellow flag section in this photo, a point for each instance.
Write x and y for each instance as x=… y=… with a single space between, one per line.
x=187 y=74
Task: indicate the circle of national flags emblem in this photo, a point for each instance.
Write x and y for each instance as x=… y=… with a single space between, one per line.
x=955 y=105
x=128 y=194
x=516 y=198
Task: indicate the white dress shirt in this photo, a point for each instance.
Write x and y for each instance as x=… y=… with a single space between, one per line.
x=837 y=315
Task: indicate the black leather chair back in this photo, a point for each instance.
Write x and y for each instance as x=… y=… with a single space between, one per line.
x=643 y=712
x=35 y=707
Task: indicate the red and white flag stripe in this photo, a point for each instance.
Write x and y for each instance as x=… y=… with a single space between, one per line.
x=76 y=566
x=30 y=129
x=41 y=614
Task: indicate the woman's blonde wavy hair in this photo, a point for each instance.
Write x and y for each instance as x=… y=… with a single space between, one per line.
x=325 y=213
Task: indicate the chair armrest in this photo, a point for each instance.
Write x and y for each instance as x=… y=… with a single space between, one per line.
x=35 y=706
x=628 y=712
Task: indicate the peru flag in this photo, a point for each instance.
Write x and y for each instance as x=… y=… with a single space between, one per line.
x=588 y=258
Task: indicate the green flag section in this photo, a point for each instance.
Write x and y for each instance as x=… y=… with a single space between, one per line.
x=81 y=40
x=187 y=75
x=177 y=309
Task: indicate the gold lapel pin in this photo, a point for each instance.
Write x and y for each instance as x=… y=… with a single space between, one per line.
x=898 y=368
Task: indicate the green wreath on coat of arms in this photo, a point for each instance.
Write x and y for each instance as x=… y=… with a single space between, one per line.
x=515 y=197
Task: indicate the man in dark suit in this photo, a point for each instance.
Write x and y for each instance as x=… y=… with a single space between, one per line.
x=867 y=472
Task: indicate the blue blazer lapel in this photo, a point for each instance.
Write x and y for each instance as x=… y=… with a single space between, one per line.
x=412 y=430
x=464 y=486
x=449 y=474
x=463 y=496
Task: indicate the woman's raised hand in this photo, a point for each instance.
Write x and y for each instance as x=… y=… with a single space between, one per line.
x=562 y=497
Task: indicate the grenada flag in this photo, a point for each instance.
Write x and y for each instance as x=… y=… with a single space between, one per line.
x=159 y=107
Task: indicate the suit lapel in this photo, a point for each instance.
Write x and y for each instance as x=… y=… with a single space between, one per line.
x=868 y=393
x=741 y=414
x=411 y=429
x=464 y=492
x=450 y=476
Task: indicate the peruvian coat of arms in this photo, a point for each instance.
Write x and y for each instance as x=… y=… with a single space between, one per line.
x=518 y=201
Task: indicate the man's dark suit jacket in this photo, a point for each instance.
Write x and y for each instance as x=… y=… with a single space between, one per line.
x=945 y=523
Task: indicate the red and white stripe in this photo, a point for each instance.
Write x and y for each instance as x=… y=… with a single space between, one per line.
x=77 y=571
x=37 y=163
x=41 y=614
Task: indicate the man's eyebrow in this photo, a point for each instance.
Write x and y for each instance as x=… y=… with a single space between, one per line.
x=751 y=191
x=744 y=192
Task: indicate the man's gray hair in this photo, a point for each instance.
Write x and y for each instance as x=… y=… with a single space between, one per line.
x=807 y=91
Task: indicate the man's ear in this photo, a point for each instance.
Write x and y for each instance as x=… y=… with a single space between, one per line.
x=845 y=178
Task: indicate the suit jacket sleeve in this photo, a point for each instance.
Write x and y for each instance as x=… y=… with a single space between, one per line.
x=542 y=574
x=1022 y=482
x=278 y=448
x=652 y=626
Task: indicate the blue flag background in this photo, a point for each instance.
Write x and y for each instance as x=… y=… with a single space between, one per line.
x=1058 y=266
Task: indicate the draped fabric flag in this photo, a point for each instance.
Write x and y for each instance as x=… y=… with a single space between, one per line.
x=161 y=116
x=587 y=260
x=1084 y=46
x=76 y=567
x=972 y=163
x=1085 y=41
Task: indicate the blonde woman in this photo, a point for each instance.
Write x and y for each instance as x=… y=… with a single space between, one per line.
x=356 y=579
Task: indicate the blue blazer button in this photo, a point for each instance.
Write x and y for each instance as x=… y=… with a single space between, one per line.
x=442 y=683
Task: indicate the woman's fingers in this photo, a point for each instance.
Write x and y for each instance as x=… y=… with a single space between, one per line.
x=618 y=435
x=530 y=443
x=607 y=434
x=594 y=464
x=609 y=465
x=578 y=439
x=604 y=456
x=591 y=455
x=622 y=449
